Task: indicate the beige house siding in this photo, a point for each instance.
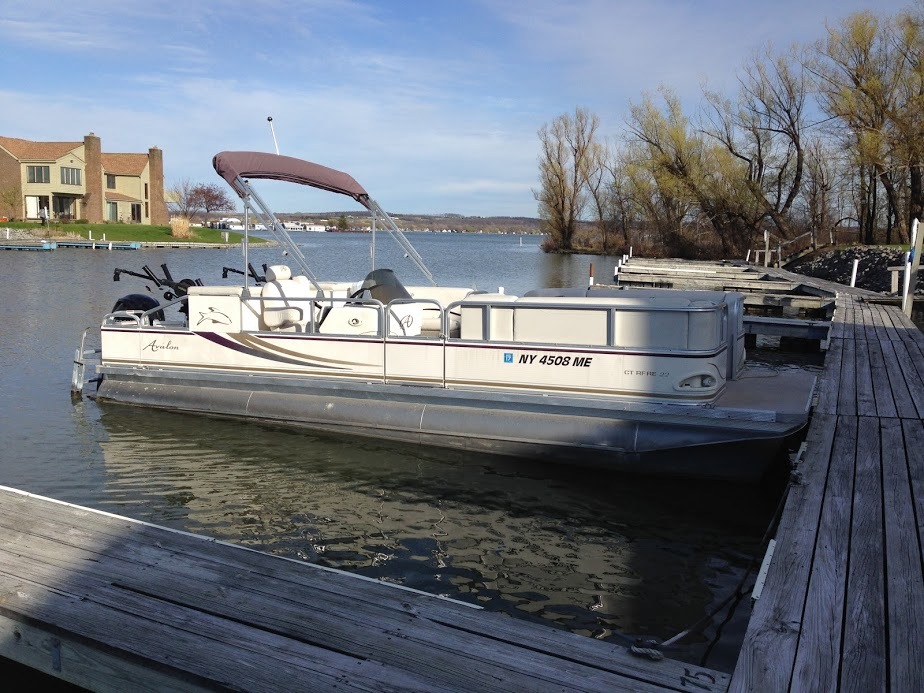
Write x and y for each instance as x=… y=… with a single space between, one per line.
x=78 y=180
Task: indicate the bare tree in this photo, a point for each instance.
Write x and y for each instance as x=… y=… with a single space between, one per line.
x=765 y=132
x=185 y=198
x=11 y=200
x=672 y=170
x=601 y=190
x=566 y=145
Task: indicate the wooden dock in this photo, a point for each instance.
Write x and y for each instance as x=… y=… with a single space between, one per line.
x=842 y=607
x=110 y=603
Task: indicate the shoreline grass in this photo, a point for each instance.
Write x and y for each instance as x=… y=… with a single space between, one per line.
x=127 y=232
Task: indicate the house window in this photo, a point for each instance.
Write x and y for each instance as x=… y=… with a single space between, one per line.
x=38 y=174
x=110 y=181
x=145 y=191
x=136 y=212
x=70 y=176
x=113 y=211
x=64 y=207
x=146 y=213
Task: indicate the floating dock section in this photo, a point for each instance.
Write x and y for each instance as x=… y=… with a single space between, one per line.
x=101 y=245
x=27 y=245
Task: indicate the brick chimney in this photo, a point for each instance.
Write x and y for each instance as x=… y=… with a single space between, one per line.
x=94 y=202
x=159 y=213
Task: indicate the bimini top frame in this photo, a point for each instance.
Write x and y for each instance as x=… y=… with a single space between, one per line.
x=237 y=167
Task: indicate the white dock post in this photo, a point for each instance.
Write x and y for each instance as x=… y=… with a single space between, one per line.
x=630 y=251
x=90 y=234
x=110 y=245
x=500 y=290
x=747 y=258
x=104 y=236
x=853 y=273
x=911 y=268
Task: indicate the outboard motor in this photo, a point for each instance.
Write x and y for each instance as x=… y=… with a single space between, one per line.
x=383 y=286
x=139 y=302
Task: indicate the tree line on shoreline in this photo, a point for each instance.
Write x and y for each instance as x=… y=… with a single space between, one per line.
x=818 y=139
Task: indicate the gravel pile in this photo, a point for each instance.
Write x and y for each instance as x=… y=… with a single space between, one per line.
x=836 y=266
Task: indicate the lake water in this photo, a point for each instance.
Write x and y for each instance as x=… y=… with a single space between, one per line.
x=602 y=555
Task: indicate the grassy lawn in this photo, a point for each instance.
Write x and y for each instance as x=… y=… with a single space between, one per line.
x=126 y=232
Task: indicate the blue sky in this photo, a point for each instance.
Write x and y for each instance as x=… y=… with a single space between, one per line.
x=432 y=106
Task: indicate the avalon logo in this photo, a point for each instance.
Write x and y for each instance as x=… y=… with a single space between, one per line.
x=508 y=357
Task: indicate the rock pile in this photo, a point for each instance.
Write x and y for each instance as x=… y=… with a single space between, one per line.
x=15 y=234
x=836 y=266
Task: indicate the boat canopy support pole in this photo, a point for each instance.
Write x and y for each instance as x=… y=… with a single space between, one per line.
x=246 y=242
x=275 y=227
x=400 y=238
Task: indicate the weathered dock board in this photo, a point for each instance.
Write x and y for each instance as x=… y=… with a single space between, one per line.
x=110 y=603
x=843 y=603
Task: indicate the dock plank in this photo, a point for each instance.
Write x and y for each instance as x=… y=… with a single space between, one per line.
x=251 y=567
x=847 y=386
x=895 y=373
x=885 y=401
x=300 y=615
x=863 y=653
x=905 y=580
x=768 y=653
x=866 y=396
x=172 y=596
x=818 y=655
x=829 y=384
x=908 y=364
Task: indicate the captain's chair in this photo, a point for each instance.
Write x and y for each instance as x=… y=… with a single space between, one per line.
x=280 y=311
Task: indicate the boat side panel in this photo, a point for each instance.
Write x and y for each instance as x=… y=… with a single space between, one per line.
x=417 y=361
x=591 y=371
x=351 y=358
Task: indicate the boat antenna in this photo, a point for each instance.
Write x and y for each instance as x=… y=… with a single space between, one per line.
x=269 y=119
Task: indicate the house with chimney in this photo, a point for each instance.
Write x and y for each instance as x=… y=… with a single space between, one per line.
x=77 y=180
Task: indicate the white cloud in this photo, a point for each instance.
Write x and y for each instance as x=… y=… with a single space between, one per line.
x=427 y=115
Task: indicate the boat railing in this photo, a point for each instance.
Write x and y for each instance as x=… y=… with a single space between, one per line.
x=492 y=319
x=141 y=318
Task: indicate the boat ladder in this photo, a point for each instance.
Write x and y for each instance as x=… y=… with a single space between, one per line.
x=85 y=355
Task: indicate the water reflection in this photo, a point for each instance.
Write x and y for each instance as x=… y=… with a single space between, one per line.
x=591 y=552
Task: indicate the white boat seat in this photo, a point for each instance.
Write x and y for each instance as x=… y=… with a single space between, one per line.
x=433 y=314
x=286 y=300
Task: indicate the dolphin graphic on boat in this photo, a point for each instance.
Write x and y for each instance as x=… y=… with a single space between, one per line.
x=213 y=317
